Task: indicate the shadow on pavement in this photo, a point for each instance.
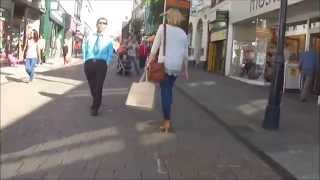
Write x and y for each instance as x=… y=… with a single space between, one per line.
x=4 y=73
x=14 y=79
x=61 y=139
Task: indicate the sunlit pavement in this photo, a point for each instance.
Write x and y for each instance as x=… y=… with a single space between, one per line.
x=47 y=133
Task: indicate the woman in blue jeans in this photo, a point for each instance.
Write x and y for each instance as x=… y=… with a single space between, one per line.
x=32 y=52
x=176 y=53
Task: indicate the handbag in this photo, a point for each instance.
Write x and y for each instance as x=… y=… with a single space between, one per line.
x=156 y=70
x=141 y=95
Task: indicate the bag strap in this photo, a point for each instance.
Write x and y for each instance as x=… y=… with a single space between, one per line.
x=164 y=38
x=144 y=76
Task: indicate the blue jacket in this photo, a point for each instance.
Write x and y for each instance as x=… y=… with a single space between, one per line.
x=309 y=62
x=104 y=51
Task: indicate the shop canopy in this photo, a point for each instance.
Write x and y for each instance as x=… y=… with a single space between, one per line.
x=181 y=4
x=35 y=8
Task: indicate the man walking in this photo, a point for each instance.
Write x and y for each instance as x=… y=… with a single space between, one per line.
x=308 y=67
x=97 y=54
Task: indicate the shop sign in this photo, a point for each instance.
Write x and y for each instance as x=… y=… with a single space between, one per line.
x=255 y=5
x=245 y=9
x=218 y=36
x=260 y=5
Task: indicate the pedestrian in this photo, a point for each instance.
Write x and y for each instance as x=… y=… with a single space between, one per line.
x=132 y=47
x=308 y=67
x=143 y=53
x=97 y=54
x=77 y=48
x=65 y=52
x=176 y=54
x=42 y=46
x=32 y=53
x=7 y=47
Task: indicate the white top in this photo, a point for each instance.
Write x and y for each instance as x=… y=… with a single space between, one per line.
x=32 y=49
x=176 y=47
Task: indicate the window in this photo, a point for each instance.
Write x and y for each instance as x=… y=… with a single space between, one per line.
x=213 y=3
x=77 y=9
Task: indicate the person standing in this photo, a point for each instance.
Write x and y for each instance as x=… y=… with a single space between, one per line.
x=77 y=47
x=65 y=52
x=32 y=53
x=132 y=47
x=97 y=54
x=7 y=48
x=42 y=46
x=143 y=53
x=176 y=53
x=308 y=67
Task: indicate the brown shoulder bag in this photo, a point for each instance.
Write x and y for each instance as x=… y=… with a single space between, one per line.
x=156 y=71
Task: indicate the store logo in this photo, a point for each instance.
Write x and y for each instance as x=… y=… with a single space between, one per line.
x=260 y=4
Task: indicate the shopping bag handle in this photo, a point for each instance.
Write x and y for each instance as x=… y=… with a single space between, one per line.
x=144 y=76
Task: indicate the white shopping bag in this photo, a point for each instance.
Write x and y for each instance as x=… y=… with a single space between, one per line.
x=141 y=95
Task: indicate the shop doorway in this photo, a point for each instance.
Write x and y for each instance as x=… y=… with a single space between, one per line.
x=216 y=57
x=315 y=41
x=315 y=45
x=295 y=45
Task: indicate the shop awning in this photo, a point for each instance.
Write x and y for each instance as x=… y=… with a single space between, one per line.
x=33 y=6
x=181 y=4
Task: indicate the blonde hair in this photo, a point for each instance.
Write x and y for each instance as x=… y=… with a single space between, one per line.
x=174 y=16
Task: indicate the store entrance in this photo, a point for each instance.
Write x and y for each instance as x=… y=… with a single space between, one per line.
x=315 y=44
x=216 y=57
x=315 y=41
x=295 y=45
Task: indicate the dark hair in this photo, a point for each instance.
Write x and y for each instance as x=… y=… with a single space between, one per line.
x=102 y=18
x=35 y=35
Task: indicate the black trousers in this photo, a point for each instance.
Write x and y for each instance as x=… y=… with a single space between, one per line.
x=95 y=71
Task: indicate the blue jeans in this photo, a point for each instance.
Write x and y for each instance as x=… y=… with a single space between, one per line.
x=30 y=65
x=166 y=95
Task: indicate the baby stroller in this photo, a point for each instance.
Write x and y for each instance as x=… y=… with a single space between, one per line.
x=123 y=63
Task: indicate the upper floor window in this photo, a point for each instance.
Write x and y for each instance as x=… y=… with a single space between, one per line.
x=213 y=3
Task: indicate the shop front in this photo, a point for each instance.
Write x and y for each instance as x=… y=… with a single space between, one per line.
x=57 y=31
x=255 y=41
x=217 y=43
x=25 y=17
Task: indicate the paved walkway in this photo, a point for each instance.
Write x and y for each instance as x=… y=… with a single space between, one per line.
x=47 y=133
x=240 y=107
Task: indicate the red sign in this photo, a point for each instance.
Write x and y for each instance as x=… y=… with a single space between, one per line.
x=181 y=4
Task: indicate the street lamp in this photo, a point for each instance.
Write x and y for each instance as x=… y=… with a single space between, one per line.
x=272 y=115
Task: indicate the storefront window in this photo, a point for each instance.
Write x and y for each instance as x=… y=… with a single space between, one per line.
x=254 y=50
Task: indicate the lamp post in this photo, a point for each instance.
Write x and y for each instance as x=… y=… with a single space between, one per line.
x=272 y=114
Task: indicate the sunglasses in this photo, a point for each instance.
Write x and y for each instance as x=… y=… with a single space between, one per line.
x=105 y=23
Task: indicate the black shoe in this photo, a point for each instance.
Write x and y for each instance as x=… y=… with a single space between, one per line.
x=94 y=112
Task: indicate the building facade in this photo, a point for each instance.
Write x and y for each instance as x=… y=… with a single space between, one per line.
x=208 y=32
x=17 y=18
x=239 y=38
x=53 y=28
x=254 y=39
x=137 y=25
